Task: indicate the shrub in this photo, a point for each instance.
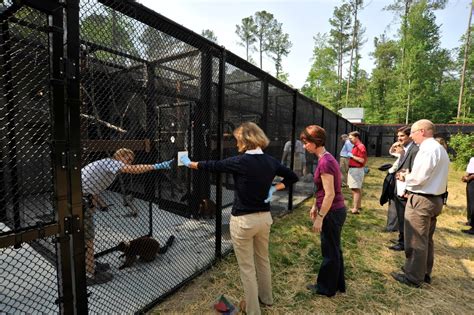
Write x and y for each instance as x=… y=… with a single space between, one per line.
x=463 y=146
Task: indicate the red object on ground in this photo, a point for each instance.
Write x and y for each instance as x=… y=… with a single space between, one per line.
x=221 y=307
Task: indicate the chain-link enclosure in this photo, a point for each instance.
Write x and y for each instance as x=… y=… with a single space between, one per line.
x=99 y=96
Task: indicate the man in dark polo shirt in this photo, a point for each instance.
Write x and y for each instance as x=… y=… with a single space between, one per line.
x=357 y=161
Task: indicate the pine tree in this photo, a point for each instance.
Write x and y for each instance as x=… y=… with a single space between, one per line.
x=246 y=33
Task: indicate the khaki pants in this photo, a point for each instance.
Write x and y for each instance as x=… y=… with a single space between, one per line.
x=344 y=167
x=420 y=223
x=250 y=235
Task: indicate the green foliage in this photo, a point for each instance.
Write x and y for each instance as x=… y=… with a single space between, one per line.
x=321 y=83
x=266 y=25
x=464 y=146
x=246 y=33
x=279 y=47
x=340 y=42
x=383 y=83
x=467 y=115
x=209 y=35
x=110 y=29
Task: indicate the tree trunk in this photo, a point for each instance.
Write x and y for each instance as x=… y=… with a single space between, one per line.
x=408 y=102
x=247 y=49
x=466 y=49
x=405 y=23
x=354 y=34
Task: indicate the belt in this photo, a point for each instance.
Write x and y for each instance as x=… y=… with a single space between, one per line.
x=355 y=166
x=424 y=195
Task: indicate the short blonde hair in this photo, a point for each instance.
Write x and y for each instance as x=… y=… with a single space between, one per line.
x=250 y=136
x=122 y=152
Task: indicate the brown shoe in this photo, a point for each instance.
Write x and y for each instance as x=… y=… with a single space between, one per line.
x=242 y=306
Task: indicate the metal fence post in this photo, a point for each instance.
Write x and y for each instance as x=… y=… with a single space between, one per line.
x=59 y=158
x=73 y=104
x=220 y=150
x=264 y=123
x=202 y=128
x=151 y=129
x=12 y=147
x=293 y=142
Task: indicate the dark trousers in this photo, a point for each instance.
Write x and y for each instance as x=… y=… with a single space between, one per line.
x=470 y=202
x=331 y=273
x=400 y=204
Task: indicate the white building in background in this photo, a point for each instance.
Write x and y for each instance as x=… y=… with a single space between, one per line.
x=353 y=114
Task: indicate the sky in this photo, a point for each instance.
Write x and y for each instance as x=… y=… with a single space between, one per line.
x=302 y=20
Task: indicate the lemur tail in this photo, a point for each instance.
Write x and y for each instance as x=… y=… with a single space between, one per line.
x=169 y=242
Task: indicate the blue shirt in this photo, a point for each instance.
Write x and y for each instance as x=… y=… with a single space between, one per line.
x=253 y=175
x=346 y=148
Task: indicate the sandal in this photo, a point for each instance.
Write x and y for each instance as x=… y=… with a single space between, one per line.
x=355 y=211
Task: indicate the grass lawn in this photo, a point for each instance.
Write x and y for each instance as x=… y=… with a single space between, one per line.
x=296 y=256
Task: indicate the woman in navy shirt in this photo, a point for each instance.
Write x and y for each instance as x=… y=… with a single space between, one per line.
x=250 y=222
x=328 y=213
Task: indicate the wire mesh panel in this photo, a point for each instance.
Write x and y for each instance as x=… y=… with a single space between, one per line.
x=307 y=113
x=148 y=95
x=330 y=125
x=243 y=102
x=279 y=130
x=29 y=281
x=341 y=129
x=149 y=91
x=28 y=270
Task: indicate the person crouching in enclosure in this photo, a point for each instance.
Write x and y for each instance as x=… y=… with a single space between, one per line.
x=328 y=213
x=97 y=177
x=251 y=219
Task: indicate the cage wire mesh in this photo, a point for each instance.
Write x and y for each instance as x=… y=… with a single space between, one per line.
x=156 y=93
x=26 y=185
x=278 y=130
x=304 y=163
x=29 y=281
x=147 y=91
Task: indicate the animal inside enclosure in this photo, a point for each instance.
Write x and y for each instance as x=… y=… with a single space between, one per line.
x=82 y=80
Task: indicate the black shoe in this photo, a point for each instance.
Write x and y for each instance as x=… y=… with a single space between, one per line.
x=314 y=289
x=99 y=267
x=470 y=231
x=427 y=278
x=99 y=278
x=397 y=247
x=264 y=304
x=400 y=277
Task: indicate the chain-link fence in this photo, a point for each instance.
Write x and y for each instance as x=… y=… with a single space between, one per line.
x=99 y=96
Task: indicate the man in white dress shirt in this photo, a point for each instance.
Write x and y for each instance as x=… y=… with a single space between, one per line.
x=426 y=186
